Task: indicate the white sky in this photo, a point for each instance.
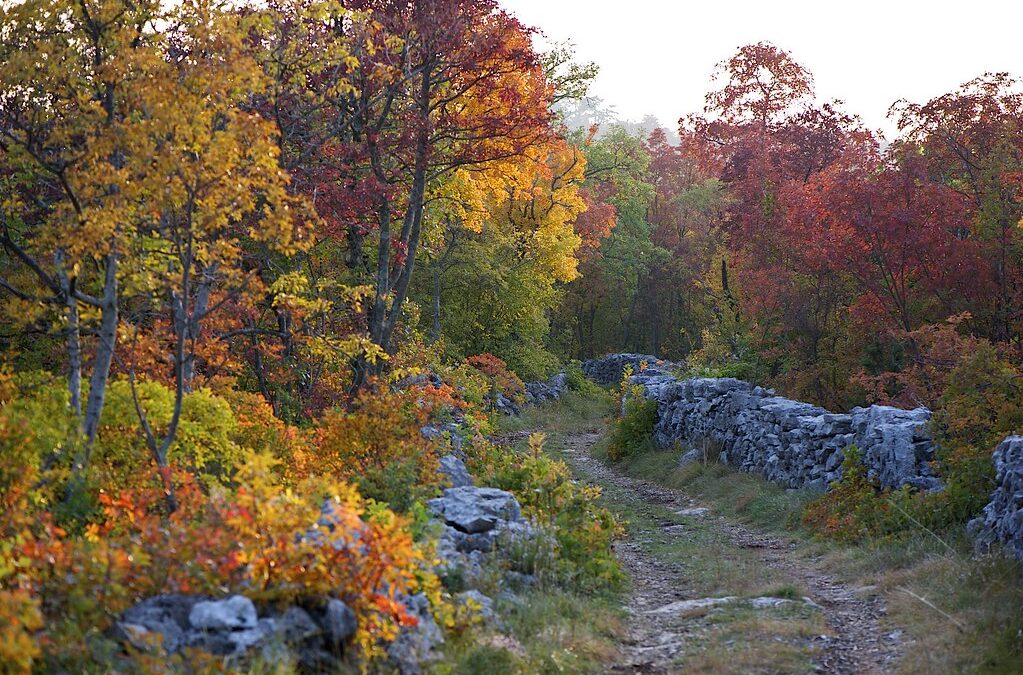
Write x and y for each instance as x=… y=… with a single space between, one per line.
x=656 y=56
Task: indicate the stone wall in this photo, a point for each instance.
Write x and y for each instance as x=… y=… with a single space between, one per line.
x=789 y=442
x=800 y=445
x=1002 y=518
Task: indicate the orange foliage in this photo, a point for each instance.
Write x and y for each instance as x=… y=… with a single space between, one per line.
x=274 y=544
x=503 y=379
x=377 y=444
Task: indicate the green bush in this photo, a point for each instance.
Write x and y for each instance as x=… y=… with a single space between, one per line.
x=633 y=433
x=577 y=380
x=981 y=405
x=549 y=495
x=855 y=508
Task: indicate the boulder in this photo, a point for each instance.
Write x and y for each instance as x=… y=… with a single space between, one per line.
x=417 y=644
x=234 y=613
x=339 y=621
x=455 y=471
x=474 y=509
x=166 y=615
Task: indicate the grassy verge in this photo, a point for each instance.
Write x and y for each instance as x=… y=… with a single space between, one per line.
x=573 y=413
x=550 y=628
x=547 y=631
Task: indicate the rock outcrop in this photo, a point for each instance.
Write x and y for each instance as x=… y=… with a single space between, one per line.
x=544 y=392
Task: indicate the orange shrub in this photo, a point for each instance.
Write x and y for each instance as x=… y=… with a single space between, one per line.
x=501 y=378
x=268 y=542
x=378 y=445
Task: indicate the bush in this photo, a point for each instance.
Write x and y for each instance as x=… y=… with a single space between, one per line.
x=981 y=405
x=633 y=432
x=577 y=380
x=377 y=444
x=502 y=380
x=583 y=529
x=273 y=544
x=855 y=509
x=205 y=440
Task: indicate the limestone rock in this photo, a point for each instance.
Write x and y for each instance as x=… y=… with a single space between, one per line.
x=474 y=509
x=455 y=471
x=340 y=621
x=234 y=613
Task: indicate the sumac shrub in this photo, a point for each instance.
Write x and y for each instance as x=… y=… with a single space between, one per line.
x=501 y=378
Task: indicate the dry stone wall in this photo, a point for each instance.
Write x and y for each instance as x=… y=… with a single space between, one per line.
x=800 y=445
x=1002 y=518
x=789 y=442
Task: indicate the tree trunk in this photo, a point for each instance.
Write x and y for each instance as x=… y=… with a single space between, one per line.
x=73 y=339
x=437 y=286
x=107 y=339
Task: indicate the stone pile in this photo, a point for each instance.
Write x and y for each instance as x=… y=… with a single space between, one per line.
x=315 y=636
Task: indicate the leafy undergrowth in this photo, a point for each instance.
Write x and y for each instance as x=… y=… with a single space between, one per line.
x=959 y=613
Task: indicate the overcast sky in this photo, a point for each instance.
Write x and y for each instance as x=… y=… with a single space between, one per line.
x=657 y=56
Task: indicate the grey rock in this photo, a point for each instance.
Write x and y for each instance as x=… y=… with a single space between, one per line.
x=163 y=614
x=339 y=621
x=1001 y=521
x=691 y=457
x=478 y=601
x=455 y=471
x=234 y=613
x=792 y=443
x=295 y=625
x=419 y=644
x=474 y=509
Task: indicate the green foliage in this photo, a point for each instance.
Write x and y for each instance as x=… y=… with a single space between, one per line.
x=582 y=528
x=981 y=405
x=204 y=442
x=855 y=509
x=633 y=431
x=577 y=380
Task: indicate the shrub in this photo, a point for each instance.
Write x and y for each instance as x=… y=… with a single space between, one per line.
x=854 y=509
x=377 y=444
x=273 y=544
x=502 y=379
x=981 y=405
x=584 y=530
x=633 y=432
x=205 y=441
x=577 y=380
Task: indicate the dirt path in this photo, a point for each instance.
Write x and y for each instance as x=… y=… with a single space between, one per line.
x=662 y=625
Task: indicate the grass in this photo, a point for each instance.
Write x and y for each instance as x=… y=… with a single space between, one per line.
x=549 y=631
x=956 y=613
x=573 y=413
